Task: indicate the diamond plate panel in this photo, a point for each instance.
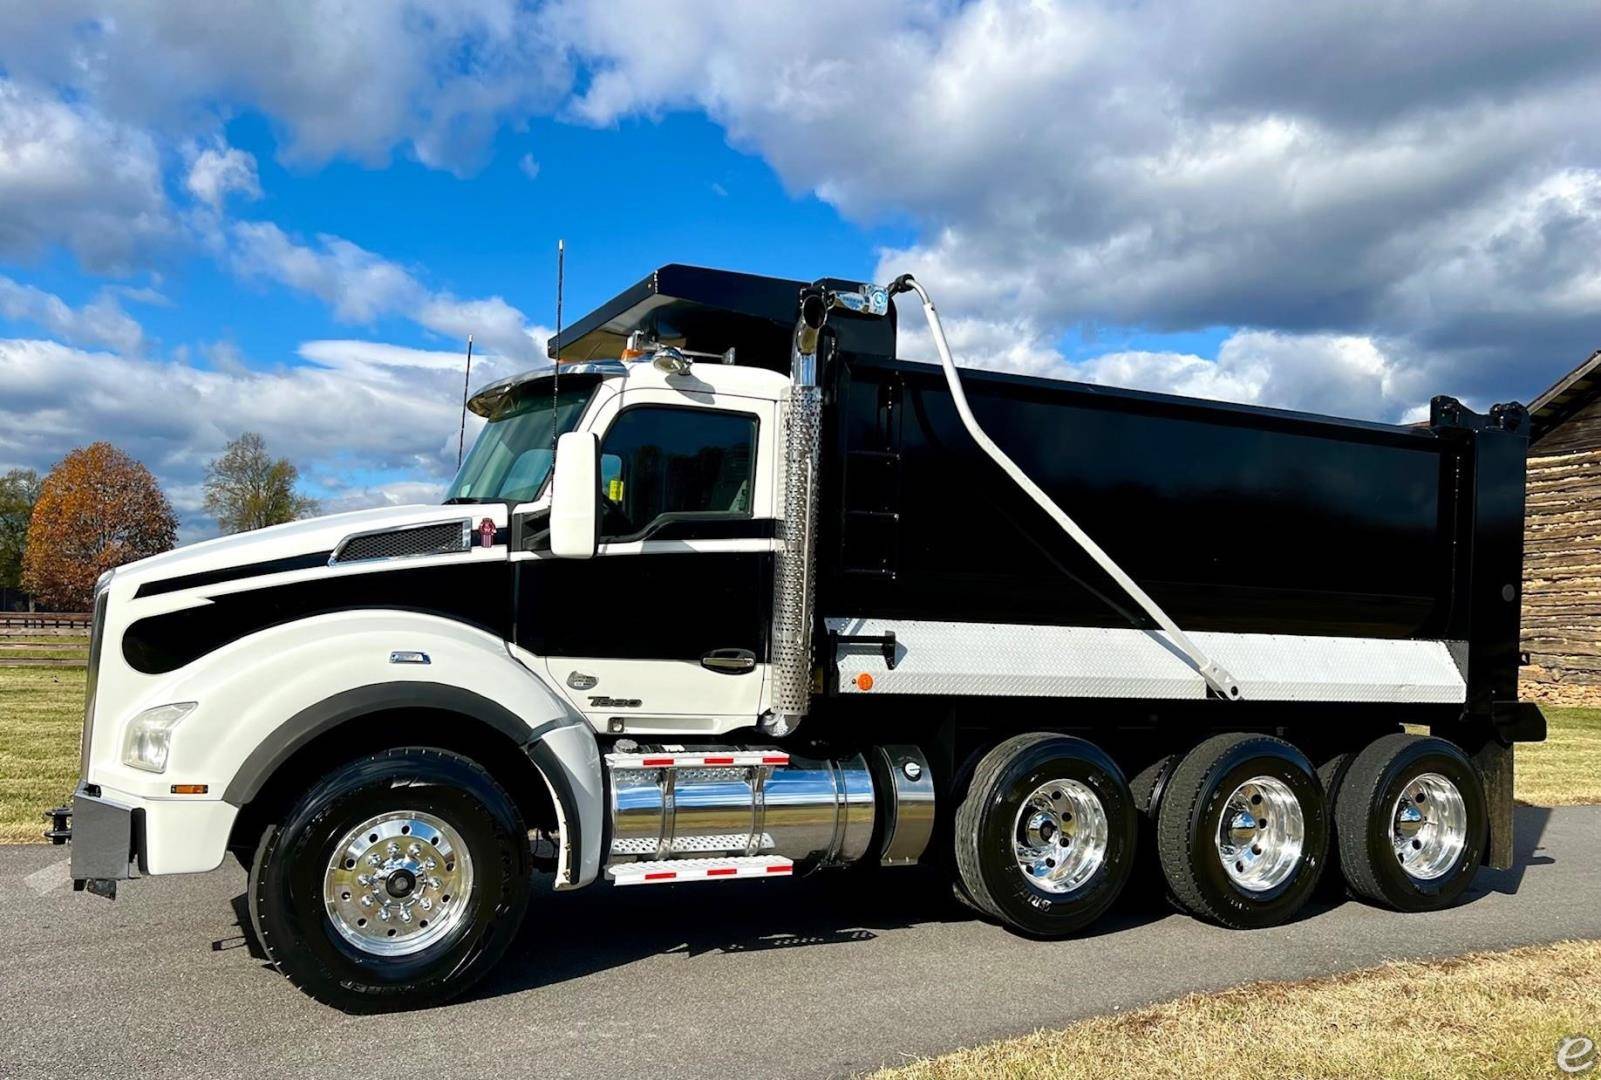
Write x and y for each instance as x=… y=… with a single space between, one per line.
x=1008 y=660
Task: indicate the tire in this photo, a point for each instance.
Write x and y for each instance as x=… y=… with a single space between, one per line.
x=441 y=823
x=1331 y=774
x=1274 y=876
x=1091 y=806
x=1147 y=786
x=1366 y=817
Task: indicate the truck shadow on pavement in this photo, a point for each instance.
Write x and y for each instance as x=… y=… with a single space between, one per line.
x=605 y=928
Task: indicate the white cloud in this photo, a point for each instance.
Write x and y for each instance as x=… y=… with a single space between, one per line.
x=361 y=287
x=529 y=166
x=99 y=322
x=1421 y=175
x=356 y=408
x=1334 y=374
x=70 y=176
x=219 y=171
x=357 y=80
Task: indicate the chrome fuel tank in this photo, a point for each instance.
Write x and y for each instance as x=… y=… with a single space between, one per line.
x=735 y=801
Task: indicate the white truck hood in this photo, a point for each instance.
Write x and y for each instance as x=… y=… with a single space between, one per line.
x=299 y=538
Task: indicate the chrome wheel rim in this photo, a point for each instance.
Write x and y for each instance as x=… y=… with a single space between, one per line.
x=398 y=882
x=1060 y=836
x=1428 y=826
x=1261 y=834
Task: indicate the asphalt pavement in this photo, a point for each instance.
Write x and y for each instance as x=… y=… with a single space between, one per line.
x=820 y=976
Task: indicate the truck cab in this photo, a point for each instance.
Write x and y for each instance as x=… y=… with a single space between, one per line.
x=663 y=630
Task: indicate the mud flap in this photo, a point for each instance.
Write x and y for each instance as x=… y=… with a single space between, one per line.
x=1494 y=759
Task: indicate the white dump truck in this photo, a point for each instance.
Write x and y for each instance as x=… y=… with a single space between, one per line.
x=728 y=591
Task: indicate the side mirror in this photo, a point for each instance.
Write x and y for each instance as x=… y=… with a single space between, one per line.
x=574 y=497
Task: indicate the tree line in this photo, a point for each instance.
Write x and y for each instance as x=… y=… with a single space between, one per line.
x=98 y=508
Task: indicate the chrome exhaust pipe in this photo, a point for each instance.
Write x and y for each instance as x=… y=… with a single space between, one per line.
x=794 y=571
x=794 y=581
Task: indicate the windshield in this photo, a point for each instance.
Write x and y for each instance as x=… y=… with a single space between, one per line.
x=513 y=454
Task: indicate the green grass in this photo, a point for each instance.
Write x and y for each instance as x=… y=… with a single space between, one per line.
x=1566 y=768
x=41 y=717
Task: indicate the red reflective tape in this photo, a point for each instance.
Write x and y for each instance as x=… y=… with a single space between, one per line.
x=722 y=871
x=775 y=759
x=657 y=761
x=661 y=875
x=719 y=761
x=778 y=869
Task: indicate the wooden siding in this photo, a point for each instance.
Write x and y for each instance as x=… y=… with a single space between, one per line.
x=1562 y=564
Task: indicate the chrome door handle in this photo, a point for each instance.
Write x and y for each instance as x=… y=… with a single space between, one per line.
x=729 y=661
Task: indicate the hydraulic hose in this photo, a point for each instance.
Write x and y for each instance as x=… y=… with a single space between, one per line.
x=1216 y=677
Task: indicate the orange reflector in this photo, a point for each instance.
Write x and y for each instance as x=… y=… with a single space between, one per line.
x=864 y=681
x=190 y=789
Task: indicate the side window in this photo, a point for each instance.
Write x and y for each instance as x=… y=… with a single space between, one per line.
x=662 y=460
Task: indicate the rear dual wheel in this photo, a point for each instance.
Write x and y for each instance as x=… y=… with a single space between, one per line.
x=1045 y=834
x=1242 y=830
x=1412 y=823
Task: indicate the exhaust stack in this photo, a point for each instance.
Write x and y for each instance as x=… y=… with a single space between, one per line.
x=794 y=576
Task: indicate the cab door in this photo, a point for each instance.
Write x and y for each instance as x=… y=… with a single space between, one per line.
x=666 y=628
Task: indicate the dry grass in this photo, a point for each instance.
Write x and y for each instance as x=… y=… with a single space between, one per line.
x=41 y=716
x=1566 y=768
x=1491 y=1014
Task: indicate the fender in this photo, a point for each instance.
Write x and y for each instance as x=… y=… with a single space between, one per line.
x=549 y=755
x=266 y=695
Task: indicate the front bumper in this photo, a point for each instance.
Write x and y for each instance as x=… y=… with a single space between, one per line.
x=107 y=841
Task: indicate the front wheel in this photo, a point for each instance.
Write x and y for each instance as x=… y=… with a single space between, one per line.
x=395 y=883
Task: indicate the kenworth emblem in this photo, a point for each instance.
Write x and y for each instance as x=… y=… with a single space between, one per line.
x=579 y=681
x=486 y=532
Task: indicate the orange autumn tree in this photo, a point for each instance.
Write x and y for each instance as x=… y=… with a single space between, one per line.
x=97 y=509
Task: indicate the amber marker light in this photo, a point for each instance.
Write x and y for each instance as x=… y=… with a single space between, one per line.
x=190 y=789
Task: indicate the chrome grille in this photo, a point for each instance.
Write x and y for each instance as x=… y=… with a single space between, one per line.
x=438 y=539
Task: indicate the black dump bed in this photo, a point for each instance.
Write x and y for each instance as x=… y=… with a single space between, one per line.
x=1233 y=518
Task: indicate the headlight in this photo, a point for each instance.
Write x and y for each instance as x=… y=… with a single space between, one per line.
x=149 y=736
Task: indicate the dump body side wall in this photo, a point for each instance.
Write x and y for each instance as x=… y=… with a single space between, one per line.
x=1234 y=519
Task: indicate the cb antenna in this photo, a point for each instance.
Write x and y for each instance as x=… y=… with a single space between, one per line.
x=466 y=380
x=561 y=259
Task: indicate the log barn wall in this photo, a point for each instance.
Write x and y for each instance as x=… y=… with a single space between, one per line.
x=1562 y=563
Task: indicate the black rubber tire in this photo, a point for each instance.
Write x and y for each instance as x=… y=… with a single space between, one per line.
x=1364 y=809
x=1331 y=774
x=286 y=881
x=1146 y=885
x=985 y=862
x=1188 y=819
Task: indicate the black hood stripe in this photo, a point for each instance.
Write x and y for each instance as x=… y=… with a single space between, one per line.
x=309 y=561
x=476 y=592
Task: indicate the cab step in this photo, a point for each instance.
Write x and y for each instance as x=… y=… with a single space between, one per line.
x=669 y=871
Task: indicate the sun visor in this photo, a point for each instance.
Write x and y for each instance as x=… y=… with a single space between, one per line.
x=712 y=311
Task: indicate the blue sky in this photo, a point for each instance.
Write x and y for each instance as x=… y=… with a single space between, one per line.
x=288 y=220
